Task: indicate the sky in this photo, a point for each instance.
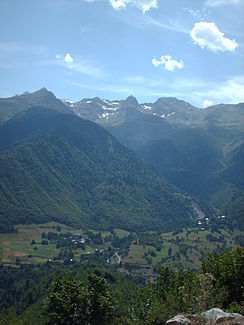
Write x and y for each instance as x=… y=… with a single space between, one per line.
x=189 y=49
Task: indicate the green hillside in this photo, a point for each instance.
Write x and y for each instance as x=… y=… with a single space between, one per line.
x=60 y=167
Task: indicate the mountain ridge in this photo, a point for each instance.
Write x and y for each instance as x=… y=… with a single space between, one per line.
x=42 y=97
x=193 y=149
x=74 y=171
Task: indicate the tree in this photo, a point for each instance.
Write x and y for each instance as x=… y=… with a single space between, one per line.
x=102 y=306
x=228 y=270
x=67 y=303
x=71 y=302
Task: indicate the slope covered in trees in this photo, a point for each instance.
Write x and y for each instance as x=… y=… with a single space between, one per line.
x=202 y=161
x=59 y=167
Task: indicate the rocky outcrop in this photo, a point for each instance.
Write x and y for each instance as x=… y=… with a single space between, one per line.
x=179 y=320
x=214 y=316
x=218 y=316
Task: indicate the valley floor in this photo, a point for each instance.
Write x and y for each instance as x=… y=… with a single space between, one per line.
x=131 y=253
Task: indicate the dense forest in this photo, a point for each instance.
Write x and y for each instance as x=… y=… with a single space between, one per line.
x=59 y=167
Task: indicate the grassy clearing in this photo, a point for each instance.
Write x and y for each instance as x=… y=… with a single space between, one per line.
x=135 y=255
x=121 y=233
x=17 y=246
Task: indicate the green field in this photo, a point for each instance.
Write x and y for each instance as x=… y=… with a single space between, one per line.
x=188 y=248
x=17 y=246
x=183 y=249
x=121 y=233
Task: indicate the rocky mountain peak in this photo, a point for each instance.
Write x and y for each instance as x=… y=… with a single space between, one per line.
x=43 y=92
x=130 y=101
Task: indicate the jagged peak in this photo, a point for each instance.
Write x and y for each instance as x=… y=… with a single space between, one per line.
x=131 y=100
x=43 y=91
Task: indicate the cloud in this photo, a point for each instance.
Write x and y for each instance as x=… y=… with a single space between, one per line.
x=143 y=5
x=103 y=87
x=118 y=4
x=78 y=65
x=208 y=35
x=216 y=3
x=172 y=25
x=168 y=63
x=230 y=91
x=85 y=29
x=68 y=58
x=207 y=103
x=145 y=21
x=200 y=14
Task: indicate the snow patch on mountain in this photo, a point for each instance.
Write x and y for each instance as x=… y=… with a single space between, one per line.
x=149 y=108
x=68 y=101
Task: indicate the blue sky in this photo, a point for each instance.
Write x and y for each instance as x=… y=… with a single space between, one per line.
x=191 y=49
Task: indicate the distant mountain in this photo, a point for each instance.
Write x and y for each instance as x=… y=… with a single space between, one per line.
x=109 y=113
x=195 y=159
x=56 y=166
x=105 y=112
x=174 y=111
x=13 y=105
x=196 y=149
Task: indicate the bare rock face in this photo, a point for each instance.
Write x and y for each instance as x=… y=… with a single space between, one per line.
x=218 y=316
x=179 y=320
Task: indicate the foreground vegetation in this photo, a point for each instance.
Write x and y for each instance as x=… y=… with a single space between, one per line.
x=92 y=294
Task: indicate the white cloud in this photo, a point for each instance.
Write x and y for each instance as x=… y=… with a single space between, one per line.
x=216 y=3
x=78 y=65
x=208 y=35
x=118 y=4
x=68 y=58
x=207 y=103
x=144 y=5
x=168 y=63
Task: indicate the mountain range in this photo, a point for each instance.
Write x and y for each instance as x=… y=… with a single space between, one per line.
x=58 y=165
x=198 y=150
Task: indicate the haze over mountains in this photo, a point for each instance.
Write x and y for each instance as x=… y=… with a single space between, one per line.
x=55 y=165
